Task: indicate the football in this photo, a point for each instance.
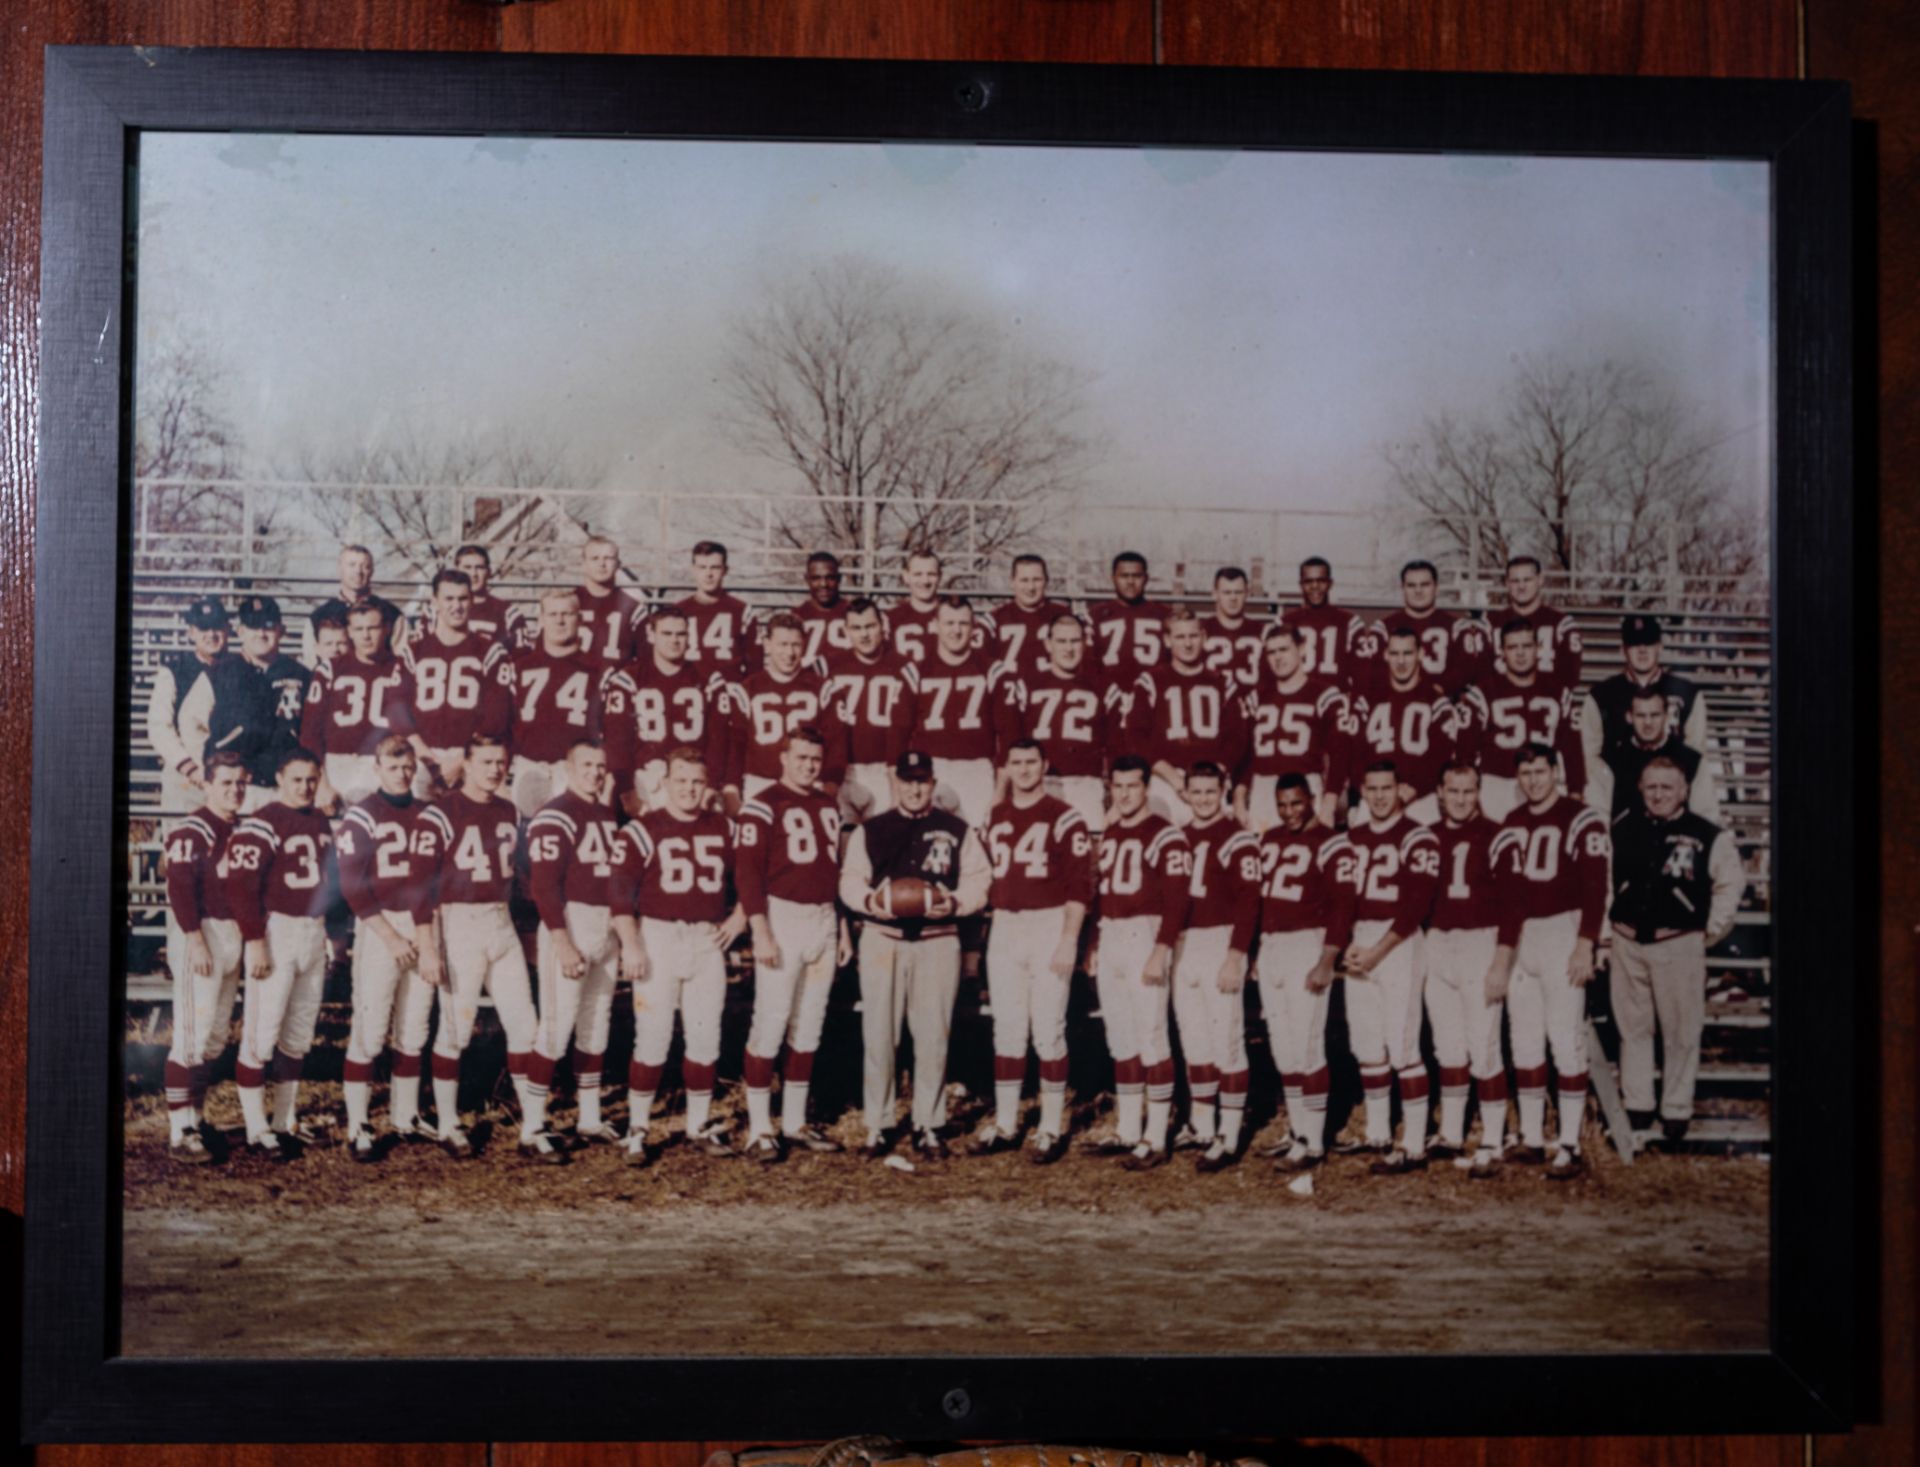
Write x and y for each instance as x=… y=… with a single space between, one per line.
x=905 y=896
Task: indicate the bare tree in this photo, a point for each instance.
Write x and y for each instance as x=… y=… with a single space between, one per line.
x=907 y=423
x=1600 y=469
x=187 y=458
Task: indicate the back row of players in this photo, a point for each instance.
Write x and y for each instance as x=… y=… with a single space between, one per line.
x=1133 y=749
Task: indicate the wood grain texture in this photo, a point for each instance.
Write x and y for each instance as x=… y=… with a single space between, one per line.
x=1624 y=37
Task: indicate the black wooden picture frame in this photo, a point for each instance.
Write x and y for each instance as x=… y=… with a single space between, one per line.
x=77 y=1386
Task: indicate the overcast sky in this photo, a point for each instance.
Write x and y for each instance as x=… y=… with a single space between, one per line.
x=1257 y=324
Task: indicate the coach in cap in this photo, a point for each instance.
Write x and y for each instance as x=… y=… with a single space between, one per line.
x=182 y=768
x=911 y=872
x=250 y=705
x=1606 y=718
x=1677 y=883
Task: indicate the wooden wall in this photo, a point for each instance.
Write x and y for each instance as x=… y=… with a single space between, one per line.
x=1865 y=42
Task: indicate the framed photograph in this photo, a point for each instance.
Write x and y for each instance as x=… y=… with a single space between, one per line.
x=798 y=748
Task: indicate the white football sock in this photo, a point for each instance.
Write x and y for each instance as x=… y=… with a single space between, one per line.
x=640 y=1113
x=359 y=1096
x=446 y=1101
x=590 y=1108
x=759 y=1113
x=1453 y=1119
x=1127 y=1107
x=699 y=1107
x=403 y=1102
x=1573 y=1110
x=285 y=1096
x=1533 y=1118
x=1493 y=1123
x=1200 y=1116
x=253 y=1107
x=1006 y=1105
x=1413 y=1127
x=1379 y=1117
x=793 y=1106
x=1053 y=1106
x=1159 y=1112
x=1230 y=1118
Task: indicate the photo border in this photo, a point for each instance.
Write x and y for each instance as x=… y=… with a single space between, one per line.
x=76 y=1387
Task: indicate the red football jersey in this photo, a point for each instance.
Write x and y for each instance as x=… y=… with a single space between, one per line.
x=478 y=839
x=787 y=846
x=964 y=710
x=1226 y=884
x=277 y=862
x=610 y=626
x=1455 y=650
x=647 y=714
x=1299 y=891
x=450 y=693
x=1020 y=633
x=1330 y=632
x=495 y=620
x=350 y=704
x=673 y=870
x=723 y=635
x=1145 y=869
x=570 y=845
x=557 y=698
x=1414 y=727
x=1237 y=648
x=869 y=700
x=826 y=628
x=1556 y=634
x=1391 y=871
x=1075 y=718
x=1302 y=732
x=1551 y=861
x=910 y=629
x=1181 y=716
x=1042 y=855
x=1463 y=901
x=197 y=869
x=760 y=711
x=1501 y=716
x=1128 y=636
x=388 y=852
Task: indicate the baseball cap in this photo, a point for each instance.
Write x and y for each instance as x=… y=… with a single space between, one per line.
x=259 y=611
x=205 y=614
x=1639 y=631
x=914 y=765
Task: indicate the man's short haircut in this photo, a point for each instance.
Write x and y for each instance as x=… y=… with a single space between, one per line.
x=1648 y=695
x=823 y=557
x=1532 y=750
x=1206 y=769
x=1661 y=761
x=707 y=547
x=1532 y=560
x=225 y=759
x=1381 y=766
x=479 y=741
x=363 y=606
x=1293 y=779
x=1072 y=616
x=1418 y=565
x=356 y=550
x=669 y=612
x=1180 y=613
x=1131 y=764
x=922 y=552
x=957 y=602
x=449 y=577
x=1460 y=766
x=1403 y=634
x=1229 y=573
x=1312 y=560
x=686 y=754
x=1129 y=557
x=786 y=621
x=1022 y=745
x=1029 y=558
x=295 y=756
x=330 y=618
x=1286 y=632
x=393 y=743
x=582 y=742
x=1518 y=624
x=805 y=734
x=861 y=605
x=464 y=551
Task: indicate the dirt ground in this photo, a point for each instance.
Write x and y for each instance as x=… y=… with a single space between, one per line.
x=420 y=1255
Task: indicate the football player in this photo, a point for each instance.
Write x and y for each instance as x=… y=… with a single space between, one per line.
x=1180 y=711
x=1301 y=725
x=1021 y=624
x=723 y=632
x=1210 y=966
x=786 y=853
x=1461 y=936
x=961 y=709
x=479 y=835
x=454 y=684
x=203 y=951
x=278 y=875
x=1329 y=631
x=762 y=710
x=656 y=704
x=1042 y=851
x=1145 y=869
x=1513 y=705
x=570 y=855
x=823 y=614
x=869 y=684
x=1408 y=722
x=182 y=784
x=1305 y=924
x=1069 y=710
x=356 y=586
x=249 y=705
x=913 y=623
x=1556 y=633
x=1454 y=649
x=388 y=852
x=608 y=617
x=1550 y=888
x=671 y=914
x=1390 y=867
x=1613 y=787
x=1127 y=629
x=1233 y=636
x=350 y=703
x=558 y=694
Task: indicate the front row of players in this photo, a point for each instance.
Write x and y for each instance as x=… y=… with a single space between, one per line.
x=1453 y=922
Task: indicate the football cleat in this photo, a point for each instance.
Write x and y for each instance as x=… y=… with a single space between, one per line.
x=991 y=1142
x=1674 y=1132
x=1397 y=1162
x=360 y=1144
x=543 y=1147
x=813 y=1138
x=879 y=1148
x=928 y=1146
x=1300 y=1157
x=419 y=1132
x=1486 y=1164
x=1522 y=1155
x=765 y=1150
x=1046 y=1148
x=1441 y=1147
x=714 y=1138
x=268 y=1144
x=1105 y=1143
x=301 y=1136
x=1367 y=1147
x=1188 y=1139
x=454 y=1142
x=1146 y=1157
x=1281 y=1147
x=1567 y=1164
x=636 y=1153
x=190 y=1150
x=1216 y=1158
x=600 y=1135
